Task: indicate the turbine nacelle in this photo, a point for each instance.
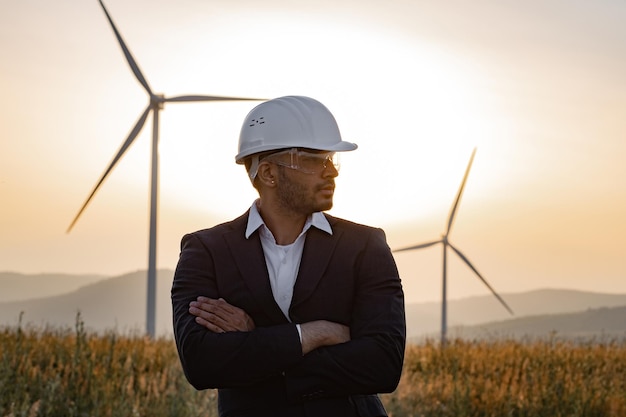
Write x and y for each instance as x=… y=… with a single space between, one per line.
x=157 y=101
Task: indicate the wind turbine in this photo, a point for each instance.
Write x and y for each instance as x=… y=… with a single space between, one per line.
x=446 y=243
x=155 y=105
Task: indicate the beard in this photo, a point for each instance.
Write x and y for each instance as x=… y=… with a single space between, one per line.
x=299 y=198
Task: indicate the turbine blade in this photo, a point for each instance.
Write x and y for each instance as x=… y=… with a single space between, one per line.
x=129 y=140
x=127 y=54
x=420 y=246
x=210 y=98
x=458 y=252
x=458 y=196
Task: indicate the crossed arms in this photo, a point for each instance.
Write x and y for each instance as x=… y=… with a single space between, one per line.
x=354 y=346
x=220 y=317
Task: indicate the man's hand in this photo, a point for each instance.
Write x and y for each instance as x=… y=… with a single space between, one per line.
x=322 y=333
x=220 y=317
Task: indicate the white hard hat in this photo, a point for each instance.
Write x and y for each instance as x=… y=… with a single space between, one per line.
x=290 y=122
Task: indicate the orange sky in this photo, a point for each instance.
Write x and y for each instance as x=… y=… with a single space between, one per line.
x=536 y=86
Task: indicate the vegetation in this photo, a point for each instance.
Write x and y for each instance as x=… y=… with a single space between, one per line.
x=507 y=378
x=65 y=373
x=52 y=372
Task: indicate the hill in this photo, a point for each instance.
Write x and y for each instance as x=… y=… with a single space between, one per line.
x=601 y=324
x=424 y=318
x=114 y=303
x=15 y=286
x=120 y=303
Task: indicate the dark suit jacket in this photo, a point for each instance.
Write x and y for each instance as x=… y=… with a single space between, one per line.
x=348 y=277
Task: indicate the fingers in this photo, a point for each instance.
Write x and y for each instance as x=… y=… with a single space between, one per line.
x=207 y=319
x=209 y=325
x=211 y=315
x=219 y=304
x=219 y=316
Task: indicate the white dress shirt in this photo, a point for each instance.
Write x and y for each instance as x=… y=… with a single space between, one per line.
x=283 y=261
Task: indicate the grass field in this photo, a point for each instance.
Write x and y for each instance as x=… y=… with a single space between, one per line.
x=68 y=372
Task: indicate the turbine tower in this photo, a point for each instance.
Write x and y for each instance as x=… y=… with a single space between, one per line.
x=446 y=243
x=155 y=105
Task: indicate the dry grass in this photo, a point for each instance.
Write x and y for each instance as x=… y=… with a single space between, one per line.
x=508 y=378
x=51 y=372
x=48 y=372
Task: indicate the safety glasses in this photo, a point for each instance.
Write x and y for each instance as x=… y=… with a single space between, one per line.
x=304 y=161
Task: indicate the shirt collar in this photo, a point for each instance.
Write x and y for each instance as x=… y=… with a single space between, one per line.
x=316 y=219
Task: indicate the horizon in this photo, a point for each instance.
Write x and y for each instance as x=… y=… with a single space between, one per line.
x=95 y=279
x=536 y=87
x=549 y=306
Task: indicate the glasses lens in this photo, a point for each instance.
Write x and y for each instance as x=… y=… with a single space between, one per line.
x=304 y=161
x=316 y=162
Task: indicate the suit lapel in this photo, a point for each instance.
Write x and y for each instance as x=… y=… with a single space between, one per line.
x=318 y=249
x=248 y=254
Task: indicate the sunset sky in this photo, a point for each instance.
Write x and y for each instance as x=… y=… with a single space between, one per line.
x=536 y=86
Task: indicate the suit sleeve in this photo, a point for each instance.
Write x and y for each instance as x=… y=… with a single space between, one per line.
x=372 y=361
x=226 y=360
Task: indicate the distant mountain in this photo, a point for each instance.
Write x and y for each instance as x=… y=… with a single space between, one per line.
x=425 y=318
x=15 y=286
x=115 y=303
x=601 y=324
x=120 y=303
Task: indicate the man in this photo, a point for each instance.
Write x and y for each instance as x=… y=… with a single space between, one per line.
x=286 y=310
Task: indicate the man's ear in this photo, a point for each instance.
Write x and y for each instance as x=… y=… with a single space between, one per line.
x=267 y=174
